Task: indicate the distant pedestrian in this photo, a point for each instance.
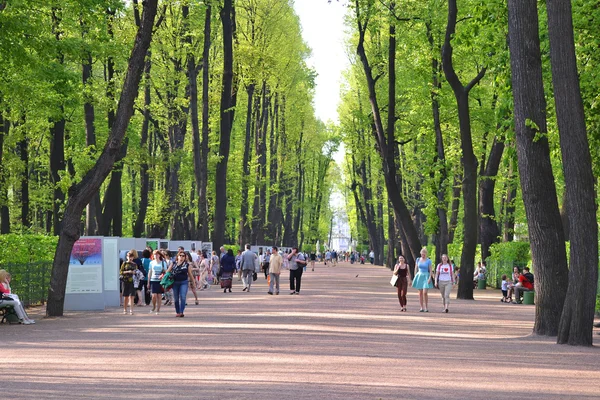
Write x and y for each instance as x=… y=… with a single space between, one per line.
x=249 y=259
x=266 y=261
x=227 y=270
x=404 y=280
x=275 y=265
x=158 y=266
x=423 y=280
x=297 y=263
x=128 y=269
x=238 y=265
x=194 y=269
x=182 y=274
x=444 y=280
x=215 y=264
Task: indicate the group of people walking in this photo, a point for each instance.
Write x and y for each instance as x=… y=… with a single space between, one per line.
x=145 y=278
x=425 y=278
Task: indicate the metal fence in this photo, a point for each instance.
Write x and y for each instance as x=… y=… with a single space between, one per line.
x=30 y=281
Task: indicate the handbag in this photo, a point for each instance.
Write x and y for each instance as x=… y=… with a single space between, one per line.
x=254 y=276
x=394 y=280
x=167 y=281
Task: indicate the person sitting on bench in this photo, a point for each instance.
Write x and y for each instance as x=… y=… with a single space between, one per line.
x=525 y=284
x=9 y=299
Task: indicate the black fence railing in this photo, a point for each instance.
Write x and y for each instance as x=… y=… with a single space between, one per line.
x=30 y=281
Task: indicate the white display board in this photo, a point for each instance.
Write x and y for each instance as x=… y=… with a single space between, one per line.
x=110 y=251
x=85 y=267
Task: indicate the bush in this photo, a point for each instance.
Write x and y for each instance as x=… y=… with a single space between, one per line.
x=27 y=248
x=28 y=258
x=505 y=256
x=233 y=247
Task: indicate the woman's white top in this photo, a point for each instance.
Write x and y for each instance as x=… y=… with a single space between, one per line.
x=445 y=272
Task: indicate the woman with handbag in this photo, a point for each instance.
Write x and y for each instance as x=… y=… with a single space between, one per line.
x=157 y=268
x=182 y=274
x=128 y=269
x=404 y=280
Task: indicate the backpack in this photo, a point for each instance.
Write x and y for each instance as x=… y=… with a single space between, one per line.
x=529 y=277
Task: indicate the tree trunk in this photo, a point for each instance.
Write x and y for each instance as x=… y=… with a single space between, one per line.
x=112 y=204
x=537 y=181
x=93 y=214
x=4 y=210
x=192 y=75
x=139 y=227
x=392 y=240
x=226 y=124
x=508 y=231
x=81 y=193
x=57 y=164
x=469 y=161
x=576 y=322
x=379 y=253
x=57 y=135
x=272 y=223
x=454 y=206
x=203 y=219
x=24 y=155
x=244 y=224
x=442 y=231
x=258 y=209
x=489 y=232
x=385 y=145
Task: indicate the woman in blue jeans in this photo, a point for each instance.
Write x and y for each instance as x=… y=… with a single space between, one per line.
x=182 y=274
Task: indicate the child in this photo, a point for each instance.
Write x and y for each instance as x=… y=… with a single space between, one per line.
x=504 y=298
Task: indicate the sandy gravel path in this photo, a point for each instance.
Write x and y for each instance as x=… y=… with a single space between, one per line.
x=343 y=337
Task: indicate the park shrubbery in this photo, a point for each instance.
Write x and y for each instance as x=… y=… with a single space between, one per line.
x=15 y=248
x=28 y=258
x=504 y=257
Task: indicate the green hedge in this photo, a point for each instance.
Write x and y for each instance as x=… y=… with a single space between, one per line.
x=27 y=248
x=28 y=259
x=504 y=257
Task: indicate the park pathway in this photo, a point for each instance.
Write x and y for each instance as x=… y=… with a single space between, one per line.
x=343 y=337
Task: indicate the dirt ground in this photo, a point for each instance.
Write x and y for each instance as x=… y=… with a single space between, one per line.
x=343 y=337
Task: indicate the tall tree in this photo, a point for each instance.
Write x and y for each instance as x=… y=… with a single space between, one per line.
x=385 y=137
x=81 y=193
x=227 y=104
x=469 y=161
x=537 y=180
x=577 y=316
